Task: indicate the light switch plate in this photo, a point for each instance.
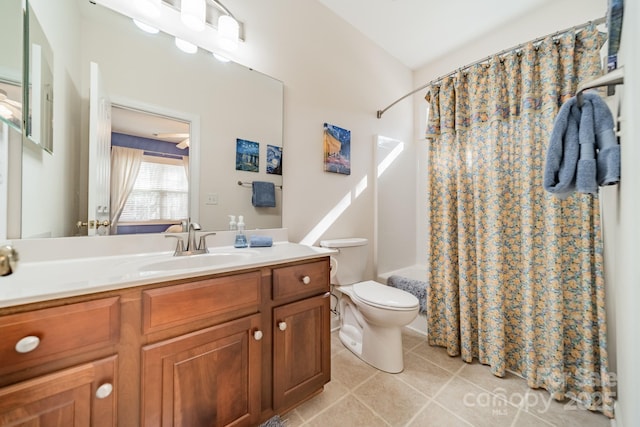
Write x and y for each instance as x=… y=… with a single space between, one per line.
x=212 y=199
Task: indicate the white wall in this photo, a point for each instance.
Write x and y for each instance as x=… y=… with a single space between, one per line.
x=627 y=276
x=395 y=206
x=54 y=212
x=331 y=74
x=10 y=41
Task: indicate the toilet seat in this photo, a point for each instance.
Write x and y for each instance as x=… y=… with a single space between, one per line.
x=382 y=296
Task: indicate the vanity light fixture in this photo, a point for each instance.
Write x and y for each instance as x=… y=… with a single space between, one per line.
x=146 y=27
x=149 y=8
x=228 y=31
x=228 y=28
x=186 y=46
x=193 y=14
x=220 y=57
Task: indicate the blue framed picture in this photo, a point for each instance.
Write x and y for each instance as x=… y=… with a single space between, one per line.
x=337 y=149
x=247 y=155
x=274 y=159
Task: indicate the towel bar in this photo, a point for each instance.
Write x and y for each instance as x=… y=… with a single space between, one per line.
x=250 y=182
x=615 y=77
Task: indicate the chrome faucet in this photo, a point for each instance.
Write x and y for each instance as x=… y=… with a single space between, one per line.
x=192 y=248
x=191 y=239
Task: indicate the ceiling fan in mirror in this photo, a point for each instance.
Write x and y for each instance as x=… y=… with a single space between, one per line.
x=10 y=110
x=184 y=143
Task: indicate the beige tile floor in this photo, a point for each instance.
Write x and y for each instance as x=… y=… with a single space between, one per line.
x=433 y=390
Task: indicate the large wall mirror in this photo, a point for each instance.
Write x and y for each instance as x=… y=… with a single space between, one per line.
x=185 y=113
x=11 y=101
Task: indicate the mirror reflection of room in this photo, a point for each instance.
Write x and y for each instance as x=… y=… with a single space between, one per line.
x=11 y=63
x=149 y=172
x=146 y=70
x=39 y=91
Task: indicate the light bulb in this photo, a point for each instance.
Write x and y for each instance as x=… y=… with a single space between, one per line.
x=185 y=46
x=228 y=31
x=220 y=58
x=146 y=27
x=193 y=14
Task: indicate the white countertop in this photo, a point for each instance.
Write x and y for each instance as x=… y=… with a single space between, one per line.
x=39 y=280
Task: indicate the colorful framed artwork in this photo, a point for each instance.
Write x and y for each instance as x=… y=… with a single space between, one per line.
x=274 y=159
x=247 y=155
x=337 y=149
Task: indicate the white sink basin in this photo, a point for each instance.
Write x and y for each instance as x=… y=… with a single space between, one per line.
x=198 y=261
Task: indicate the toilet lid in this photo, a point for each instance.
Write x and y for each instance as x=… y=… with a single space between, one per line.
x=379 y=295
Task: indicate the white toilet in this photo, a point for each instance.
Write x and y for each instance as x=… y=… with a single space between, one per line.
x=371 y=314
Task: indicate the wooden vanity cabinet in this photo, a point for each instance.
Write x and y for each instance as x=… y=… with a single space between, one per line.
x=230 y=349
x=48 y=374
x=211 y=376
x=75 y=397
x=207 y=378
x=301 y=352
x=301 y=333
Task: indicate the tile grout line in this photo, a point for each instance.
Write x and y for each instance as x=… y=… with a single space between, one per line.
x=438 y=365
x=317 y=414
x=452 y=376
x=429 y=400
x=404 y=383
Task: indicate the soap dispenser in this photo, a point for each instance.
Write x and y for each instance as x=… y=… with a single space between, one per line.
x=232 y=222
x=241 y=239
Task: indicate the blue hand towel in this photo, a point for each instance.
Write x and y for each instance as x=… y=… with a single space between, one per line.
x=264 y=194
x=583 y=151
x=586 y=171
x=563 y=151
x=608 y=159
x=260 y=241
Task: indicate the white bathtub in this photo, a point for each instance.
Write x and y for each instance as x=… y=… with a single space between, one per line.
x=415 y=272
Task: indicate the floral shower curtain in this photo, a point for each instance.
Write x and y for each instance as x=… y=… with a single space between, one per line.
x=515 y=274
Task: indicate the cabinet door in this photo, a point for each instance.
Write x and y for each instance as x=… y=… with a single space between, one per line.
x=207 y=378
x=79 y=396
x=301 y=350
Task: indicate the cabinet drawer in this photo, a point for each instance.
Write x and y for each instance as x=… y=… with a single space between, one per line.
x=301 y=280
x=210 y=377
x=163 y=308
x=82 y=396
x=61 y=331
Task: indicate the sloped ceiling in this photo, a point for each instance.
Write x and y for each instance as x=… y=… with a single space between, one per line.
x=417 y=32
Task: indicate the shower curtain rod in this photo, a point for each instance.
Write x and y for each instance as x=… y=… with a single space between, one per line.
x=598 y=21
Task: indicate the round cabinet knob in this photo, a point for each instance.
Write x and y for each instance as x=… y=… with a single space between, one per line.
x=104 y=390
x=306 y=280
x=257 y=335
x=282 y=326
x=27 y=344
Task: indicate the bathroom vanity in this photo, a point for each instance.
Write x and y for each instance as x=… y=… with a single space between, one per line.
x=221 y=346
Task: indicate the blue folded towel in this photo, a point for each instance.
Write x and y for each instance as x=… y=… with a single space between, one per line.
x=264 y=194
x=260 y=241
x=583 y=151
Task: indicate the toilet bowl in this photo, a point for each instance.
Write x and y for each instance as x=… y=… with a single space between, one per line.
x=371 y=314
x=373 y=330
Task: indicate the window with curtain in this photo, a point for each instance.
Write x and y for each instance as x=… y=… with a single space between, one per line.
x=161 y=192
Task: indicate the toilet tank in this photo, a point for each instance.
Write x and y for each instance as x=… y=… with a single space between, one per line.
x=351 y=259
